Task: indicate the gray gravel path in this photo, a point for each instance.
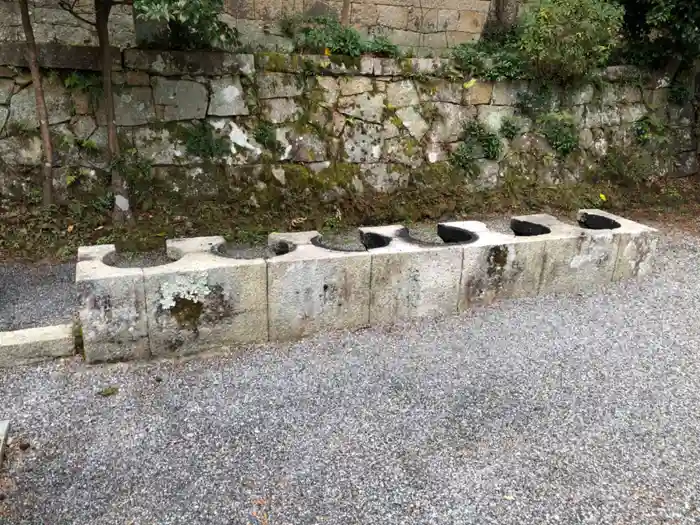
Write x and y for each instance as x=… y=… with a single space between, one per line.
x=36 y=295
x=544 y=411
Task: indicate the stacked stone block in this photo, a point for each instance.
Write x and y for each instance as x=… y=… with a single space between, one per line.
x=204 y=300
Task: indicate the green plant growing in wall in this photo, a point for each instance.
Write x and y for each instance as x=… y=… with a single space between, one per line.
x=327 y=35
x=511 y=127
x=496 y=57
x=560 y=130
x=381 y=46
x=650 y=130
x=194 y=24
x=83 y=82
x=265 y=134
x=475 y=133
x=137 y=173
x=477 y=142
x=88 y=146
x=201 y=141
x=679 y=91
x=463 y=158
x=534 y=102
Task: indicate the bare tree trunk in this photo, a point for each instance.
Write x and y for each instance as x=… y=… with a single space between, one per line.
x=122 y=209
x=345 y=13
x=41 y=111
x=507 y=12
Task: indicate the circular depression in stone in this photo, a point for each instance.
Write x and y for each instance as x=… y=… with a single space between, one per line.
x=346 y=241
x=591 y=221
x=234 y=250
x=528 y=229
x=429 y=235
x=140 y=259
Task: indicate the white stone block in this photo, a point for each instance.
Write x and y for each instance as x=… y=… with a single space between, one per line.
x=112 y=308
x=412 y=280
x=203 y=300
x=575 y=259
x=497 y=266
x=313 y=289
x=4 y=432
x=32 y=344
x=637 y=243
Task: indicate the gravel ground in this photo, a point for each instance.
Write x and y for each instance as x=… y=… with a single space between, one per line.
x=560 y=410
x=36 y=295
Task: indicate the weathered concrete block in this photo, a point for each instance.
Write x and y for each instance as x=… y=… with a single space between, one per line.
x=33 y=344
x=112 y=308
x=411 y=280
x=576 y=259
x=4 y=432
x=313 y=289
x=204 y=301
x=637 y=243
x=497 y=266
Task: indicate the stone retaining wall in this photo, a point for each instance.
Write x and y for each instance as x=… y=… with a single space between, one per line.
x=374 y=123
x=410 y=24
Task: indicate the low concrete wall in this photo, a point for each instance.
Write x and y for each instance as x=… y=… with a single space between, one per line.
x=367 y=123
x=35 y=344
x=4 y=432
x=204 y=300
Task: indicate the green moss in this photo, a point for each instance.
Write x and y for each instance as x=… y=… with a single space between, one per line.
x=78 y=344
x=20 y=128
x=411 y=147
x=273 y=61
x=439 y=174
x=341 y=174
x=430 y=112
x=108 y=391
x=406 y=66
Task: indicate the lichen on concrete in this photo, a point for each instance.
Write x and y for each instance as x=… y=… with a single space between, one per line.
x=193 y=288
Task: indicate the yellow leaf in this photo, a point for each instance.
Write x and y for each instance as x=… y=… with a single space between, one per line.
x=327 y=52
x=469 y=84
x=603 y=197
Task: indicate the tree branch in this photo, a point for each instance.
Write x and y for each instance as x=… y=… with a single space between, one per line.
x=71 y=9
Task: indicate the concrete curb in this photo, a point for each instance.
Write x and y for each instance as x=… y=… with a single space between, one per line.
x=4 y=432
x=204 y=300
x=34 y=344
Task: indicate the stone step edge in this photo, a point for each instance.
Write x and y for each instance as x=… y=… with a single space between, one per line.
x=29 y=345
